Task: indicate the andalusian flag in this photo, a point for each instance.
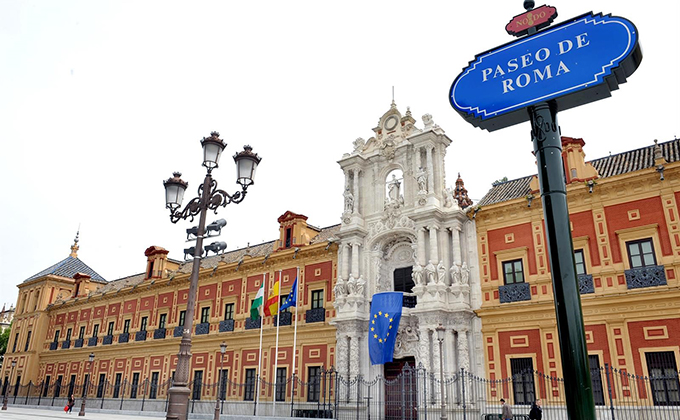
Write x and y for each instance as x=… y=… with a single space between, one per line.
x=257 y=303
x=272 y=306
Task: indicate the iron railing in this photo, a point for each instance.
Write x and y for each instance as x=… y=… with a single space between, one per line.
x=414 y=394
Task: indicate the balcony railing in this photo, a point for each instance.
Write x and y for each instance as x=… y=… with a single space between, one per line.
x=315 y=315
x=66 y=344
x=202 y=328
x=514 y=292
x=78 y=343
x=140 y=336
x=286 y=318
x=585 y=284
x=177 y=332
x=253 y=324
x=54 y=345
x=92 y=341
x=107 y=339
x=124 y=338
x=650 y=276
x=159 y=333
x=227 y=325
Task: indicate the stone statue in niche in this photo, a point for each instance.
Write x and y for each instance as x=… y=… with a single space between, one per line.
x=340 y=290
x=427 y=120
x=359 y=290
x=441 y=272
x=431 y=273
x=464 y=274
x=349 y=201
x=455 y=273
x=393 y=189
x=417 y=274
x=421 y=178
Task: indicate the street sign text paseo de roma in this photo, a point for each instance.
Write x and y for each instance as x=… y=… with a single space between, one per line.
x=573 y=63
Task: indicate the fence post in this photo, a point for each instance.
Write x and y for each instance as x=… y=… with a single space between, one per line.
x=337 y=387
x=144 y=392
x=255 y=396
x=40 y=391
x=106 y=382
x=28 y=392
x=401 y=385
x=609 y=390
x=424 y=372
x=358 y=394
x=122 y=394
x=462 y=381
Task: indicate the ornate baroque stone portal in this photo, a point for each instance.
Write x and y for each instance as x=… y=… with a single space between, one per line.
x=403 y=229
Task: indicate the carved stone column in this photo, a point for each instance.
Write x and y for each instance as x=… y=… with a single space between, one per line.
x=355 y=260
x=434 y=248
x=463 y=351
x=421 y=247
x=455 y=244
x=345 y=261
x=354 y=367
x=430 y=170
x=424 y=349
x=342 y=354
x=435 y=353
x=356 y=191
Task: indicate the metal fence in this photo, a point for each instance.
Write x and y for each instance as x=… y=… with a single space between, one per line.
x=414 y=394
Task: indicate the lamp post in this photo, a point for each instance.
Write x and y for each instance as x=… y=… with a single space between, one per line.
x=441 y=331
x=89 y=373
x=223 y=349
x=11 y=374
x=209 y=198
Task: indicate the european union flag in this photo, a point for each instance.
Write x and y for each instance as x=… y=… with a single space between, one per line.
x=291 y=300
x=383 y=326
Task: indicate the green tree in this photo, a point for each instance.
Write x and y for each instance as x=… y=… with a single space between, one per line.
x=4 y=339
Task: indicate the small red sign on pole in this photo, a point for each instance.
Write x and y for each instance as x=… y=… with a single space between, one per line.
x=537 y=18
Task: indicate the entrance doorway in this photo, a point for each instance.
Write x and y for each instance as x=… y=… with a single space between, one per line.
x=401 y=394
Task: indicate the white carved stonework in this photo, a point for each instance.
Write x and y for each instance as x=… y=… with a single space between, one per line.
x=402 y=216
x=463 y=351
x=407 y=341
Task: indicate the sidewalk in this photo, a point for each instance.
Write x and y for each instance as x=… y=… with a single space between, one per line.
x=23 y=413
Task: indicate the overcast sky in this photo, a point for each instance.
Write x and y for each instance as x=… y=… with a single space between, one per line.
x=102 y=101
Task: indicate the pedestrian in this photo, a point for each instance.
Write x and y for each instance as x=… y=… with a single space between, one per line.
x=506 y=412
x=536 y=412
x=71 y=403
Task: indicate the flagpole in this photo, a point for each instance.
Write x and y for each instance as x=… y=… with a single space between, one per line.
x=259 y=359
x=297 y=303
x=276 y=355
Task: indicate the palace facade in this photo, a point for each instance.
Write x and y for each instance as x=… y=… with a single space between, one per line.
x=133 y=325
x=626 y=238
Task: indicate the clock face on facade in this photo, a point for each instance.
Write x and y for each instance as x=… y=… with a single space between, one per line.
x=391 y=122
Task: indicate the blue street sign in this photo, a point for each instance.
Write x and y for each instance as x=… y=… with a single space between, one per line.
x=573 y=63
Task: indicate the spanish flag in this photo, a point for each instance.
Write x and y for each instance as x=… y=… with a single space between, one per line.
x=272 y=305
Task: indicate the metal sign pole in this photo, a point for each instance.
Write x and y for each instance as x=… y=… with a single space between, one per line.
x=545 y=134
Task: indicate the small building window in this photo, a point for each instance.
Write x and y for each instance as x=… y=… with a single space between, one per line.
x=153 y=388
x=663 y=377
x=198 y=383
x=95 y=330
x=205 y=315
x=110 y=329
x=161 y=321
x=523 y=380
x=145 y=321
x=281 y=384
x=228 y=311
x=513 y=272
x=249 y=388
x=282 y=300
x=313 y=383
x=68 y=335
x=182 y=315
x=81 y=333
x=289 y=234
x=28 y=341
x=16 y=340
x=126 y=326
x=56 y=336
x=403 y=280
x=317 y=299
x=596 y=378
x=580 y=262
x=641 y=253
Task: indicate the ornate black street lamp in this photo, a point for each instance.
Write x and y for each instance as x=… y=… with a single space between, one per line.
x=223 y=349
x=441 y=331
x=11 y=374
x=89 y=373
x=209 y=198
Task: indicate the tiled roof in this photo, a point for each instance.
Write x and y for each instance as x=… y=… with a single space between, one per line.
x=630 y=161
x=116 y=285
x=68 y=267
